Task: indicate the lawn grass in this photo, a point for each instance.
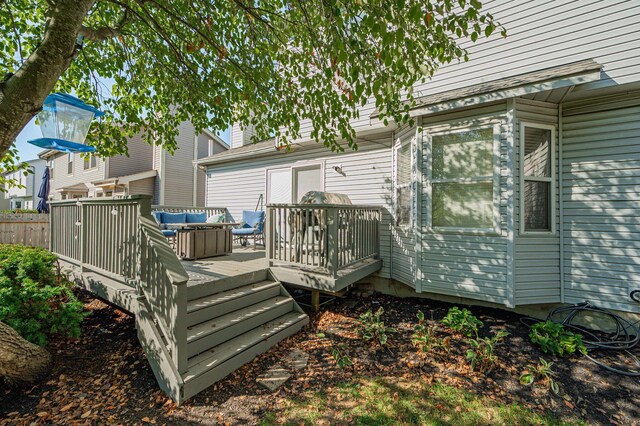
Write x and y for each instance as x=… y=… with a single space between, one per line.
x=392 y=401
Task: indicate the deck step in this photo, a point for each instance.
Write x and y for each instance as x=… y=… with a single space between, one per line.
x=199 y=289
x=218 y=304
x=212 y=333
x=214 y=364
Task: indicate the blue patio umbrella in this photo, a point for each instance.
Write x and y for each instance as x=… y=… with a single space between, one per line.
x=43 y=193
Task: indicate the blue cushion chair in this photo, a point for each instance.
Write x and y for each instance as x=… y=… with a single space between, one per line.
x=252 y=227
x=196 y=217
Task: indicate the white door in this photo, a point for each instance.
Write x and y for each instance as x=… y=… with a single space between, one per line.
x=307 y=178
x=279 y=186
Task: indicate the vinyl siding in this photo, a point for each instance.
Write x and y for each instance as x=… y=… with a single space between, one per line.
x=63 y=179
x=178 y=173
x=143 y=186
x=367 y=180
x=537 y=261
x=140 y=159
x=463 y=264
x=601 y=197
x=541 y=34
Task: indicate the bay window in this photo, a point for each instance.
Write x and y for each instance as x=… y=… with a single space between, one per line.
x=537 y=178
x=464 y=179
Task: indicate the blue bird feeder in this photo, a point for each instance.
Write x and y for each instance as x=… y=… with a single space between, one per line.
x=64 y=122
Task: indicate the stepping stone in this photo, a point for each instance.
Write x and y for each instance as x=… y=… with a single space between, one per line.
x=297 y=359
x=274 y=377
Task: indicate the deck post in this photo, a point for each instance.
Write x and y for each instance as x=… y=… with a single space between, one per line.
x=267 y=237
x=332 y=243
x=315 y=300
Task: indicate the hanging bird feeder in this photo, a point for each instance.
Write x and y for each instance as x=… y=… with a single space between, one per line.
x=64 y=122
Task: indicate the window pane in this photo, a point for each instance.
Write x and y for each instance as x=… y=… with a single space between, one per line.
x=464 y=154
x=537 y=152
x=463 y=205
x=403 y=164
x=537 y=206
x=403 y=207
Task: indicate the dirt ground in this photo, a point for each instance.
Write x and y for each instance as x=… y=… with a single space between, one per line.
x=104 y=378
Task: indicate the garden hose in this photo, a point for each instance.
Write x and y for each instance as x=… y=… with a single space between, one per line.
x=625 y=337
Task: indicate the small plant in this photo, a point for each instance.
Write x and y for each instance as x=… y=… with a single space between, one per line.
x=425 y=337
x=541 y=372
x=339 y=353
x=35 y=299
x=372 y=327
x=462 y=321
x=555 y=339
x=482 y=353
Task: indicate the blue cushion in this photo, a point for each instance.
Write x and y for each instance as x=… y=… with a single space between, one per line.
x=157 y=215
x=197 y=217
x=252 y=218
x=169 y=232
x=243 y=231
x=174 y=217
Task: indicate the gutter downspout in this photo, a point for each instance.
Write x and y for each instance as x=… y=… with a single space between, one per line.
x=194 y=196
x=560 y=183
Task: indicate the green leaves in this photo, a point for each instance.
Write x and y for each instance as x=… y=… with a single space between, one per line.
x=555 y=339
x=372 y=327
x=462 y=321
x=291 y=69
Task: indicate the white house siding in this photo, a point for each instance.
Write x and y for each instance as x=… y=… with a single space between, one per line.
x=601 y=200
x=537 y=261
x=178 y=169
x=157 y=160
x=466 y=265
x=541 y=34
x=140 y=159
x=366 y=180
x=142 y=186
x=403 y=239
x=63 y=179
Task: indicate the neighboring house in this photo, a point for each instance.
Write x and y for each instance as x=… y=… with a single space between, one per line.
x=25 y=197
x=148 y=169
x=519 y=183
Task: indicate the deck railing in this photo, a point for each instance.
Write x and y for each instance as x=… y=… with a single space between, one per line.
x=190 y=209
x=323 y=237
x=117 y=237
x=100 y=234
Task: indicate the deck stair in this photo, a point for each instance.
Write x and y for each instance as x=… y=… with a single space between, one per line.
x=195 y=328
x=230 y=321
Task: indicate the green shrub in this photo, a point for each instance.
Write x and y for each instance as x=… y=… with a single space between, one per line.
x=35 y=299
x=555 y=339
x=462 y=321
x=542 y=372
x=482 y=353
x=372 y=327
x=425 y=337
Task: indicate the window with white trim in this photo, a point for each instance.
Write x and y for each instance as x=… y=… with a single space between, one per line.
x=465 y=179
x=537 y=178
x=90 y=162
x=70 y=163
x=403 y=155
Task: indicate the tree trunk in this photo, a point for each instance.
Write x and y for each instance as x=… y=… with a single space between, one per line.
x=23 y=93
x=21 y=361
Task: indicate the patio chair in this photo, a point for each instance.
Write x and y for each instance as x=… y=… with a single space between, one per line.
x=252 y=226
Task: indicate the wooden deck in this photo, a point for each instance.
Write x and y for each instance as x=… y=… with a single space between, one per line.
x=246 y=260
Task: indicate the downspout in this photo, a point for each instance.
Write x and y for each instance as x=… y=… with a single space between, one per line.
x=560 y=202
x=511 y=203
x=195 y=170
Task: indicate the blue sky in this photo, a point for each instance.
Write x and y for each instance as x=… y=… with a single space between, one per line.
x=31 y=131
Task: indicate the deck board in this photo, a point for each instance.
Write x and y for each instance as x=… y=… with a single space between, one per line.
x=242 y=260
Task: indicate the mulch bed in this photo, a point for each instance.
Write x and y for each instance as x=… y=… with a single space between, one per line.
x=104 y=378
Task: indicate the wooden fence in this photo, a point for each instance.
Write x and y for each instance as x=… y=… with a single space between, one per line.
x=30 y=229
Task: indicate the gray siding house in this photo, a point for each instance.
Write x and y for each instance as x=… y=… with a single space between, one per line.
x=147 y=170
x=25 y=197
x=518 y=185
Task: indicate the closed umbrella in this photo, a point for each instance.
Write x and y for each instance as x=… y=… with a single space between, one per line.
x=43 y=193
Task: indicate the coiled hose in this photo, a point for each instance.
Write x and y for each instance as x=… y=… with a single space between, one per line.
x=623 y=337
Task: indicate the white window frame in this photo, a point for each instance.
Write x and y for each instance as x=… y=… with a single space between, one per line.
x=399 y=144
x=90 y=158
x=551 y=180
x=493 y=230
x=70 y=160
